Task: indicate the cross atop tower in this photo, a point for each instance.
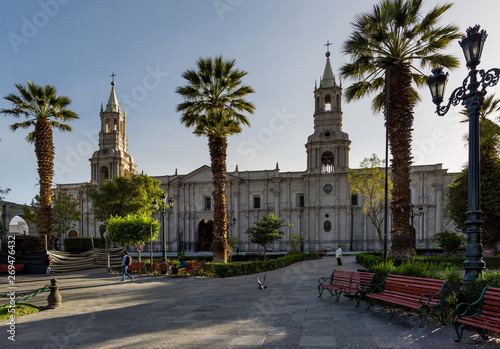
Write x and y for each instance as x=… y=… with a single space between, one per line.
x=113 y=78
x=328 y=43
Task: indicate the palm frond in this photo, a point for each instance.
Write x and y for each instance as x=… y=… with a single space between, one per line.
x=214 y=102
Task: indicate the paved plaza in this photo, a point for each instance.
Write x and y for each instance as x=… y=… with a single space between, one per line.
x=100 y=311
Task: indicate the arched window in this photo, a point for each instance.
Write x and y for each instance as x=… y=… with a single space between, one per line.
x=328 y=103
x=115 y=125
x=327 y=162
x=104 y=173
x=107 y=126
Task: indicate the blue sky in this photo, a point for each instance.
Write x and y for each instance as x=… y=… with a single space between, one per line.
x=76 y=45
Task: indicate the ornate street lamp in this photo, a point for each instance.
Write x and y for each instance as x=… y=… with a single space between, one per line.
x=471 y=95
x=164 y=207
x=386 y=63
x=231 y=223
x=413 y=214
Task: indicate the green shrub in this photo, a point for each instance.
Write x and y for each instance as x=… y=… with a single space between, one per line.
x=254 y=257
x=492 y=262
x=26 y=243
x=475 y=288
x=419 y=268
x=450 y=242
x=82 y=244
x=253 y=267
x=367 y=259
x=410 y=267
x=295 y=241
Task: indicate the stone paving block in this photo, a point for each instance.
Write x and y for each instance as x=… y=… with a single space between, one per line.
x=361 y=342
x=248 y=340
x=215 y=341
x=288 y=323
x=318 y=341
x=298 y=316
x=278 y=331
x=277 y=341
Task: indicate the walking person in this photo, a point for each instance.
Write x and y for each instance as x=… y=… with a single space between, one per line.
x=46 y=262
x=338 y=254
x=126 y=260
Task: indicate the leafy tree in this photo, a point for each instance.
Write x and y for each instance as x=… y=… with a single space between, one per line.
x=449 y=242
x=122 y=196
x=370 y=182
x=456 y=195
x=65 y=213
x=214 y=103
x=233 y=244
x=133 y=229
x=267 y=230
x=44 y=110
x=4 y=192
x=295 y=241
x=397 y=29
x=489 y=141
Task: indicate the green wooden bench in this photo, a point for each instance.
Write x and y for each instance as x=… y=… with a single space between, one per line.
x=424 y=295
x=483 y=314
x=349 y=283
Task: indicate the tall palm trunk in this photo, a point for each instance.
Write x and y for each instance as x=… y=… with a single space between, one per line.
x=44 y=149
x=400 y=134
x=218 y=147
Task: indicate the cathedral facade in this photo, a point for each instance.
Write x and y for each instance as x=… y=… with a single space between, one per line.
x=317 y=201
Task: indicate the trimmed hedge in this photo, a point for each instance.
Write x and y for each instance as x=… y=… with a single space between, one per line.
x=421 y=251
x=82 y=244
x=252 y=267
x=254 y=257
x=368 y=259
x=26 y=243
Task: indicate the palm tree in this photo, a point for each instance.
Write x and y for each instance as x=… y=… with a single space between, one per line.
x=489 y=129
x=397 y=29
x=214 y=102
x=44 y=109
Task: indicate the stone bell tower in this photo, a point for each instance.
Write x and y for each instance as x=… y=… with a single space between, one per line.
x=328 y=147
x=111 y=160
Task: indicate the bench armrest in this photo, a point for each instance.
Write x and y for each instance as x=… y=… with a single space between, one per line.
x=325 y=280
x=427 y=298
x=470 y=309
x=364 y=287
x=377 y=288
x=430 y=297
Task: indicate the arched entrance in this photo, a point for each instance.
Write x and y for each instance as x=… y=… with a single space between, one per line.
x=18 y=225
x=205 y=234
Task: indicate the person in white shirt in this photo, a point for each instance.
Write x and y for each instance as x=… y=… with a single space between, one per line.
x=338 y=254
